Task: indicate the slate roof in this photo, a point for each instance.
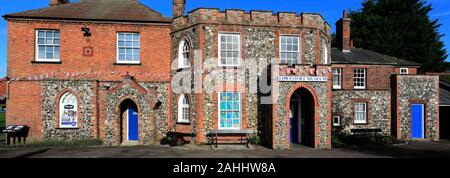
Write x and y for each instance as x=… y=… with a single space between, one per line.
x=362 y=56
x=444 y=93
x=96 y=10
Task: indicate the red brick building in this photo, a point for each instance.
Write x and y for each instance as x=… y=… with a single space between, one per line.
x=121 y=72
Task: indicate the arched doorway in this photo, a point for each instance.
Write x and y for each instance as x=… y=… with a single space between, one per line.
x=301 y=118
x=129 y=122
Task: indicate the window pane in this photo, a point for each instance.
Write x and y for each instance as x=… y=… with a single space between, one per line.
x=49 y=34
x=136 y=37
x=56 y=34
x=128 y=47
x=41 y=34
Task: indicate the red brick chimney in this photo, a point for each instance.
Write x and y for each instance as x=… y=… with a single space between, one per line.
x=178 y=8
x=343 y=39
x=58 y=2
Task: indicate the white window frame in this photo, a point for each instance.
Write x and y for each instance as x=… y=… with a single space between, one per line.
x=117 y=49
x=240 y=111
x=181 y=107
x=61 y=110
x=364 y=78
x=362 y=120
x=404 y=73
x=299 y=61
x=340 y=78
x=182 y=61
x=37 y=46
x=239 y=49
x=338 y=123
x=325 y=53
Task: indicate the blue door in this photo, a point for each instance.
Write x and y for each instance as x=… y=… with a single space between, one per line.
x=132 y=124
x=417 y=120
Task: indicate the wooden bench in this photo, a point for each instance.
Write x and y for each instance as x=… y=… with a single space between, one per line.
x=214 y=136
x=375 y=131
x=177 y=138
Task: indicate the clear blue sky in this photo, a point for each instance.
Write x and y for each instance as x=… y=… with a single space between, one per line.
x=330 y=9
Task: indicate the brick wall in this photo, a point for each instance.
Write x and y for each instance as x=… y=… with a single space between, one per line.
x=378 y=77
x=26 y=75
x=155 y=50
x=24 y=106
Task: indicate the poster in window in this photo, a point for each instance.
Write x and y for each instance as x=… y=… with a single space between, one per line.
x=69 y=116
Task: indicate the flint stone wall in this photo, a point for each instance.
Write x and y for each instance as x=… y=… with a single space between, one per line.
x=51 y=89
x=320 y=89
x=379 y=115
x=423 y=89
x=152 y=123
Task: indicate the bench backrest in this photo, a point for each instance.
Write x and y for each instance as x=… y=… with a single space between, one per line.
x=230 y=131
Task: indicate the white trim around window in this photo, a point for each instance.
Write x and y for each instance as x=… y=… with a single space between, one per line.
x=359 y=78
x=47 y=46
x=68 y=111
x=325 y=53
x=229 y=51
x=289 y=49
x=183 y=109
x=184 y=54
x=128 y=48
x=230 y=110
x=337 y=78
x=336 y=121
x=404 y=71
x=360 y=110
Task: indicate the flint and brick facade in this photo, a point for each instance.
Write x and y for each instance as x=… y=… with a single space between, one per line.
x=157 y=85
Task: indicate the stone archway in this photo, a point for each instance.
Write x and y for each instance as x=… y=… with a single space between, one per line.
x=144 y=100
x=301 y=111
x=307 y=93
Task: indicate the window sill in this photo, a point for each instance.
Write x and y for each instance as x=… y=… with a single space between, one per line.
x=46 y=62
x=183 y=123
x=127 y=64
x=182 y=68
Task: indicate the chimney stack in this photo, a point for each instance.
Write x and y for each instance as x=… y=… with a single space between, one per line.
x=58 y=2
x=178 y=8
x=343 y=39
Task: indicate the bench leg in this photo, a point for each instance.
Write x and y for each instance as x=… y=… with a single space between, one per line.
x=217 y=141
x=248 y=140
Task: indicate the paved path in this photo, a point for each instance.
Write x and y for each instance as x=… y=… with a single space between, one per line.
x=416 y=149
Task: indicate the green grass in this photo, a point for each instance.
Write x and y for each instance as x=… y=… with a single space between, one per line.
x=58 y=144
x=2 y=120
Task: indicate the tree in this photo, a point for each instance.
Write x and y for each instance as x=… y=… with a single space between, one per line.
x=400 y=28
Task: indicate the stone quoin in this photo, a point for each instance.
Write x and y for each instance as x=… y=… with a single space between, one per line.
x=131 y=78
